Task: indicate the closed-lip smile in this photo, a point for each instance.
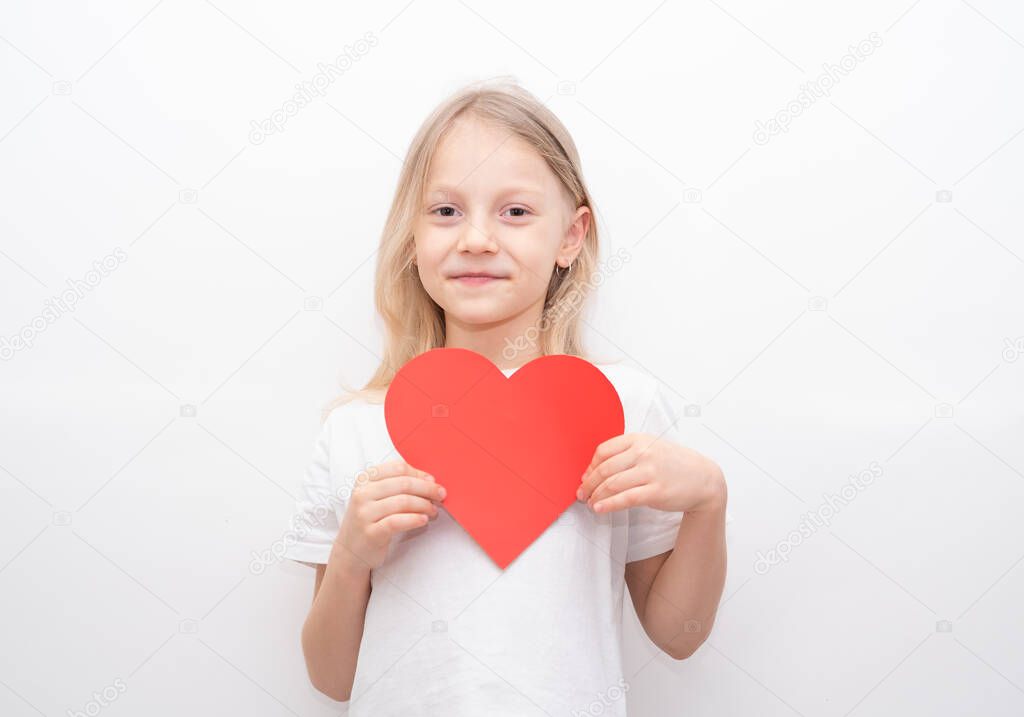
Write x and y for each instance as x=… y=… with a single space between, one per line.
x=479 y=275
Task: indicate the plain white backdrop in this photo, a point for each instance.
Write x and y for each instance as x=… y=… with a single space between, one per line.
x=822 y=204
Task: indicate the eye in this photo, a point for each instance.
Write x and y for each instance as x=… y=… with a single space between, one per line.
x=446 y=211
x=524 y=211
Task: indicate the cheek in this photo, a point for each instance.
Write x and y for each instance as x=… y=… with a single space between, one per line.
x=429 y=250
x=537 y=258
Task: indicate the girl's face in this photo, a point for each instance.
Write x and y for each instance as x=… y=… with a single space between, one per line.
x=493 y=223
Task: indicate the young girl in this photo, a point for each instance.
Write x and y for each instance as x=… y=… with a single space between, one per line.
x=491 y=245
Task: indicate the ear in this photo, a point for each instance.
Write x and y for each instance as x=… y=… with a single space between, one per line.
x=572 y=242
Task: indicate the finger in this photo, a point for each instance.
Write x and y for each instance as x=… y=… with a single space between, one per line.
x=605 y=450
x=402 y=503
x=401 y=522
x=621 y=481
x=606 y=469
x=626 y=499
x=411 y=485
x=396 y=468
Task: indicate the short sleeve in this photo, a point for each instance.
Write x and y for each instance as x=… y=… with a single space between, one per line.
x=653 y=532
x=316 y=518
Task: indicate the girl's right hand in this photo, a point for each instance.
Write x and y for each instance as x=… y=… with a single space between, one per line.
x=396 y=498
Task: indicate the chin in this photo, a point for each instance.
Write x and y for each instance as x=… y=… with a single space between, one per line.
x=481 y=316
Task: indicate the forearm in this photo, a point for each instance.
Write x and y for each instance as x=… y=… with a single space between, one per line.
x=684 y=596
x=334 y=627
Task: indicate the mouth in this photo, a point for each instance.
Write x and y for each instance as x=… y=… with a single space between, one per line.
x=476 y=278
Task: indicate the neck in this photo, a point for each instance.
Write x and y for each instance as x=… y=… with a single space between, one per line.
x=509 y=343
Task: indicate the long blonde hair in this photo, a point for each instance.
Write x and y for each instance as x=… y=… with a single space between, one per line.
x=413 y=322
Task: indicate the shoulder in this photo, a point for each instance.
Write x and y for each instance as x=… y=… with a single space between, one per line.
x=343 y=419
x=632 y=383
x=638 y=390
x=352 y=434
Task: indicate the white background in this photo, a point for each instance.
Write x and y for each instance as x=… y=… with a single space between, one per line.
x=821 y=307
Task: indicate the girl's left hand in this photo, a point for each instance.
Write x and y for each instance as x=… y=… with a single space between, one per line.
x=639 y=469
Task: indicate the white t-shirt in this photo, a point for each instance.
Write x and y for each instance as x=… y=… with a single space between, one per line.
x=449 y=633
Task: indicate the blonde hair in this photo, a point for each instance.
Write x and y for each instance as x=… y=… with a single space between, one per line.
x=413 y=322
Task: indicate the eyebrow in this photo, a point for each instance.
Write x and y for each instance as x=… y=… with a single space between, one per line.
x=447 y=190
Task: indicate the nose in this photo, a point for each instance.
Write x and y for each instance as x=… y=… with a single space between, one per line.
x=476 y=238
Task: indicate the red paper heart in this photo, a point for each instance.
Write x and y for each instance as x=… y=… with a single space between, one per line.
x=510 y=451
